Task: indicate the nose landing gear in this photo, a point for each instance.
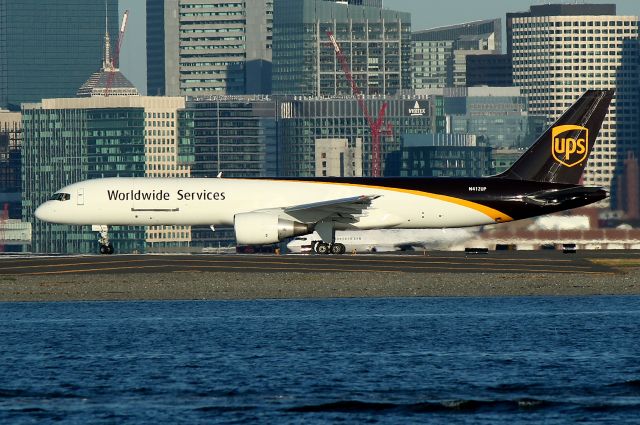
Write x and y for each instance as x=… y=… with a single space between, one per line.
x=106 y=247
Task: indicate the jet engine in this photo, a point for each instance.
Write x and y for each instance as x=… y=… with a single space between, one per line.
x=257 y=228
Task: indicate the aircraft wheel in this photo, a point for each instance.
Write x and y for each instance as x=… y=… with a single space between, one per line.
x=110 y=249
x=104 y=249
x=322 y=248
x=338 y=249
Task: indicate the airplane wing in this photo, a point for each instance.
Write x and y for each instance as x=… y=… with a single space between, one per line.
x=345 y=210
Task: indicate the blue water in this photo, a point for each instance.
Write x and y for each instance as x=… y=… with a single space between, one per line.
x=391 y=361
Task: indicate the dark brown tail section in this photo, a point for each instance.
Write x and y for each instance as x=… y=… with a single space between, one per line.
x=562 y=152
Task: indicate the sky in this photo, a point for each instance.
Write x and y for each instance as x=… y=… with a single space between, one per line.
x=424 y=14
x=133 y=55
x=434 y=13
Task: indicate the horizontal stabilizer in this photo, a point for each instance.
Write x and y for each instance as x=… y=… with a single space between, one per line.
x=563 y=196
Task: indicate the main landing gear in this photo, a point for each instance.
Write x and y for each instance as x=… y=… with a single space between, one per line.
x=320 y=247
x=106 y=247
x=326 y=231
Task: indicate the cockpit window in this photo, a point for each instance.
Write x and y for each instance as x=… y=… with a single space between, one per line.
x=60 y=197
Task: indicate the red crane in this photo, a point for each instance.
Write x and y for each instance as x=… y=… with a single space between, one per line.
x=377 y=126
x=116 y=57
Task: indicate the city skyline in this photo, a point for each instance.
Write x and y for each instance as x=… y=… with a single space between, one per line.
x=133 y=62
x=320 y=129
x=459 y=11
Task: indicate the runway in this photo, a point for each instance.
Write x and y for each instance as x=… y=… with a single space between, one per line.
x=432 y=262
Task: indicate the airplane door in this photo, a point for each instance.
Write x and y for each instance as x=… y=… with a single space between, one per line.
x=80 y=197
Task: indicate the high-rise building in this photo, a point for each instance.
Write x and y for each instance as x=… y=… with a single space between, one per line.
x=498 y=116
x=209 y=47
x=372 y=3
x=156 y=58
x=444 y=155
x=628 y=199
x=376 y=44
x=335 y=158
x=490 y=70
x=163 y=159
x=439 y=55
x=48 y=48
x=504 y=158
x=85 y=138
x=10 y=160
x=233 y=135
x=560 y=51
x=308 y=125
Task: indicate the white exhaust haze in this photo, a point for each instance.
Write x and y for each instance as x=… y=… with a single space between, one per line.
x=390 y=239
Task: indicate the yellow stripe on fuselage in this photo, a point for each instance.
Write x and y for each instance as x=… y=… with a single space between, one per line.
x=495 y=215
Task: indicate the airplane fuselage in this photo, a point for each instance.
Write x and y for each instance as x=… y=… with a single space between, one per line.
x=402 y=203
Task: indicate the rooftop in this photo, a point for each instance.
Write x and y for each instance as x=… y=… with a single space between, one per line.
x=109 y=81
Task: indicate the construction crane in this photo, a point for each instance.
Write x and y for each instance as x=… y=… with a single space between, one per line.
x=378 y=125
x=116 y=57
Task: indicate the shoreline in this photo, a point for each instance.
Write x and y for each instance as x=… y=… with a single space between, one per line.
x=292 y=285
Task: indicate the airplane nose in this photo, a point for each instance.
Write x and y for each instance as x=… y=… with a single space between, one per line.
x=45 y=212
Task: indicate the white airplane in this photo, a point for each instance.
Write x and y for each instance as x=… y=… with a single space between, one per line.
x=265 y=211
x=386 y=240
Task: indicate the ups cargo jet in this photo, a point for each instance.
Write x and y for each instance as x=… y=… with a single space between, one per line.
x=545 y=179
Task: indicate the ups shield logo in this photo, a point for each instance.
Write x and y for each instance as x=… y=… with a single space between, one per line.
x=569 y=151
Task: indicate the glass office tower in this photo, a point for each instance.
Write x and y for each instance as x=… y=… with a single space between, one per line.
x=233 y=135
x=48 y=48
x=499 y=116
x=376 y=43
x=306 y=122
x=65 y=144
x=10 y=163
x=444 y=155
x=70 y=140
x=155 y=48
